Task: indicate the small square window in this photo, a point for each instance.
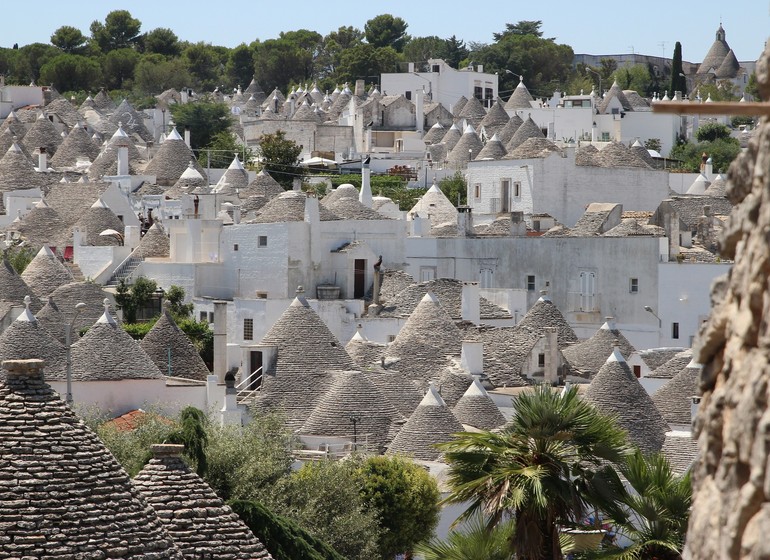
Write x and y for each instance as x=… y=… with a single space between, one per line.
x=204 y=317
x=391 y=337
x=675 y=330
x=638 y=371
x=633 y=285
x=235 y=247
x=211 y=316
x=262 y=241
x=531 y=283
x=605 y=136
x=541 y=360
x=248 y=329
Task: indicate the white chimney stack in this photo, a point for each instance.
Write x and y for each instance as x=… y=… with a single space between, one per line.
x=187 y=137
x=419 y=108
x=694 y=404
x=471 y=307
x=365 y=196
x=42 y=159
x=312 y=210
x=220 y=340
x=472 y=357
x=123 y=160
x=550 y=372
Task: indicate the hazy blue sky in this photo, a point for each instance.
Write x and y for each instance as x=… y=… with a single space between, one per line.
x=647 y=27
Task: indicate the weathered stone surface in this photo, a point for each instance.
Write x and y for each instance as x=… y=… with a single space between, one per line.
x=731 y=511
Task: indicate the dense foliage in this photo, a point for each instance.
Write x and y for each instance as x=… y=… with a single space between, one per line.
x=279 y=156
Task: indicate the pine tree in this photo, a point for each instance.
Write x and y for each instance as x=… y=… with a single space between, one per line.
x=678 y=81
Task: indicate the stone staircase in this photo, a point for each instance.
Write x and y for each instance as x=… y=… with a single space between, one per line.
x=74 y=269
x=124 y=271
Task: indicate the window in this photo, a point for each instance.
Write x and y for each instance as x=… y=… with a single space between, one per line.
x=530 y=282
x=408 y=95
x=605 y=136
x=485 y=278
x=675 y=330
x=633 y=285
x=391 y=337
x=517 y=189
x=248 y=329
x=587 y=291
x=478 y=93
x=120 y=217
x=204 y=317
x=235 y=247
x=477 y=191
x=541 y=360
x=211 y=316
x=488 y=93
x=536 y=225
x=638 y=371
x=262 y=241
x=435 y=68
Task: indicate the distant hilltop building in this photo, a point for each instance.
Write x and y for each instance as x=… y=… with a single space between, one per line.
x=720 y=63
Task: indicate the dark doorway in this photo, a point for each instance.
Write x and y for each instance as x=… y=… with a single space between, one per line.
x=359 y=278
x=255 y=362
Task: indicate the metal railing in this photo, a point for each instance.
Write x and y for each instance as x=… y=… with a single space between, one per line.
x=124 y=270
x=335 y=451
x=246 y=388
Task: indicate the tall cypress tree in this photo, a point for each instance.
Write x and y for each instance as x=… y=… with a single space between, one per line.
x=678 y=82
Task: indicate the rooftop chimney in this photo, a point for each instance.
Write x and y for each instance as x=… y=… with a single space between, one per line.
x=464 y=221
x=123 y=160
x=166 y=450
x=472 y=357
x=365 y=196
x=471 y=308
x=419 y=108
x=42 y=159
x=18 y=369
x=220 y=340
x=360 y=88
x=550 y=372
x=518 y=225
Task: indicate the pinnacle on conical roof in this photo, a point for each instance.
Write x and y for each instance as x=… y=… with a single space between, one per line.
x=431 y=423
x=520 y=98
x=426 y=342
x=45 y=273
x=616 y=391
x=197 y=520
x=353 y=395
x=476 y=408
x=173 y=351
x=84 y=484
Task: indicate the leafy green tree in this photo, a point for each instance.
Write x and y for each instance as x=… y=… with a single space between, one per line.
x=175 y=297
x=71 y=72
x=365 y=61
x=240 y=66
x=154 y=74
x=118 y=67
x=405 y=497
x=475 y=541
x=534 y=469
x=721 y=151
x=712 y=131
x=324 y=498
x=635 y=77
x=455 y=51
x=29 y=61
x=279 y=157
x=130 y=298
x=193 y=435
x=69 y=39
x=161 y=40
x=678 y=80
x=222 y=148
x=723 y=90
x=653 y=144
x=386 y=31
x=420 y=49
x=607 y=67
x=653 y=513
x=280 y=62
x=204 y=64
x=454 y=188
x=281 y=536
x=524 y=27
x=119 y=31
x=752 y=88
x=19 y=257
x=205 y=120
x=334 y=44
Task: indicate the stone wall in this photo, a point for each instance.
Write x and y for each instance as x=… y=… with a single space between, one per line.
x=731 y=481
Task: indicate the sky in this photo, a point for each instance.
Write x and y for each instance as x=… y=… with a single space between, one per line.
x=649 y=28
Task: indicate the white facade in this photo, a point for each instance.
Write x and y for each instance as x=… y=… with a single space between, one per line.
x=555 y=185
x=443 y=83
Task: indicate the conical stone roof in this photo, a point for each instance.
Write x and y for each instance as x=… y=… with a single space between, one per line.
x=197 y=520
x=615 y=92
x=42 y=134
x=402 y=392
x=452 y=384
x=495 y=119
x=131 y=120
x=426 y=342
x=83 y=501
x=235 y=176
x=13 y=288
x=459 y=106
x=674 y=398
x=671 y=367
x=364 y=352
x=97 y=219
x=716 y=53
x=106 y=163
x=172 y=160
x=289 y=207
x=493 y=149
x=617 y=154
x=77 y=144
x=545 y=314
x=729 y=67
x=108 y=353
x=434 y=134
x=103 y=102
x=476 y=408
x=173 y=351
x=473 y=111
x=506 y=133
x=520 y=98
x=527 y=130
x=587 y=357
x=53 y=321
x=90 y=293
x=466 y=149
x=17 y=171
x=13 y=125
x=262 y=185
x=154 y=244
x=431 y=423
x=353 y=395
x=26 y=339
x=615 y=391
x=66 y=111
x=435 y=205
x=45 y=273
x=452 y=137
x=533 y=148
x=587 y=155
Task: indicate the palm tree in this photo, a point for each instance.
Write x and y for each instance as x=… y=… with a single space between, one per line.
x=652 y=509
x=535 y=469
x=474 y=542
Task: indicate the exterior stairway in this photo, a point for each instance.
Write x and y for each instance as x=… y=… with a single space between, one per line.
x=124 y=271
